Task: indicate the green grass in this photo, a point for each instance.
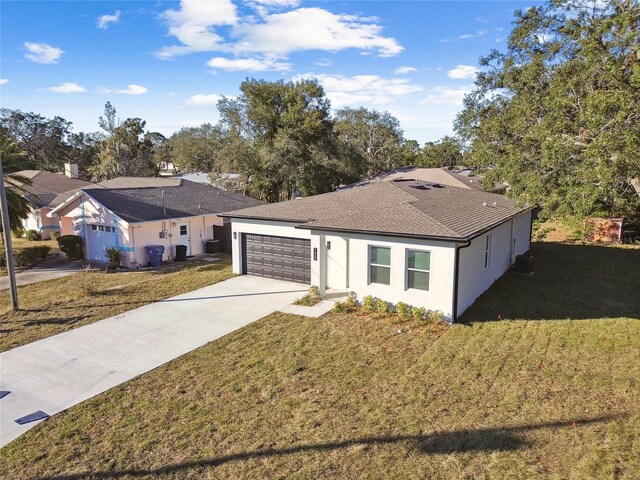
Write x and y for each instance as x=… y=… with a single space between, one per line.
x=55 y=306
x=553 y=393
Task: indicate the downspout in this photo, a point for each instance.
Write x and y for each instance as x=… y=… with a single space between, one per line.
x=456 y=275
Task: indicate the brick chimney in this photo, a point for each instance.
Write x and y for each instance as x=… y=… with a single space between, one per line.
x=71 y=170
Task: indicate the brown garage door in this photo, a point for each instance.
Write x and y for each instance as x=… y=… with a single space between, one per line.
x=277 y=257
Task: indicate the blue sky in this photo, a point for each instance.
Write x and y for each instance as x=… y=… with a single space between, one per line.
x=169 y=62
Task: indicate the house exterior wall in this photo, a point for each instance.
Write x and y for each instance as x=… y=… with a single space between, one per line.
x=148 y=233
x=37 y=220
x=473 y=278
x=440 y=293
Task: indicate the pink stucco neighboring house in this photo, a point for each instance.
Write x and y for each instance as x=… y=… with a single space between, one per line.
x=131 y=213
x=47 y=191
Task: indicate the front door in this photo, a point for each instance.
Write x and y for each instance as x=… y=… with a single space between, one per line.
x=184 y=236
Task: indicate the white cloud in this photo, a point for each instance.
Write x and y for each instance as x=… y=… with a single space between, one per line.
x=133 y=89
x=313 y=29
x=404 y=70
x=201 y=100
x=3 y=81
x=248 y=64
x=446 y=96
x=274 y=35
x=463 y=72
x=67 y=87
x=42 y=53
x=324 y=62
x=362 y=89
x=104 y=20
x=543 y=38
x=465 y=36
x=193 y=26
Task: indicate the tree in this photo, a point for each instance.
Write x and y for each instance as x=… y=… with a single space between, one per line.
x=44 y=140
x=13 y=158
x=371 y=140
x=84 y=151
x=558 y=114
x=446 y=152
x=197 y=149
x=283 y=135
x=127 y=150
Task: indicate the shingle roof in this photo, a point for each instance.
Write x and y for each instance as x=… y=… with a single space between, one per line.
x=140 y=182
x=432 y=175
x=173 y=200
x=394 y=208
x=49 y=189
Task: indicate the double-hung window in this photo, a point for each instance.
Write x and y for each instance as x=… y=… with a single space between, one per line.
x=418 y=269
x=487 y=251
x=380 y=265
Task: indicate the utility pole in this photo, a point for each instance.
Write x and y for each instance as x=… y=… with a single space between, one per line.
x=6 y=233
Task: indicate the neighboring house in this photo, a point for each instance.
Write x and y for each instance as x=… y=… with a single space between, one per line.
x=465 y=178
x=47 y=191
x=438 y=247
x=129 y=213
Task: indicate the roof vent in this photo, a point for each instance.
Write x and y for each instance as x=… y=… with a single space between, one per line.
x=485 y=204
x=495 y=204
x=402 y=180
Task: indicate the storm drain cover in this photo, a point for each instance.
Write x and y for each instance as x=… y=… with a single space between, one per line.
x=32 y=417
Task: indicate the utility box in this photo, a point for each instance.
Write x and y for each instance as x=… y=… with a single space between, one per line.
x=212 y=246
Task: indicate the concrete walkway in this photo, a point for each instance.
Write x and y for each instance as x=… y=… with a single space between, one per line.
x=58 y=372
x=48 y=270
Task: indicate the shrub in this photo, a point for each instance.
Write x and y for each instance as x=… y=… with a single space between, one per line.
x=30 y=255
x=340 y=307
x=55 y=235
x=420 y=313
x=113 y=254
x=435 y=316
x=352 y=301
x=383 y=307
x=369 y=302
x=403 y=310
x=71 y=246
x=32 y=235
x=314 y=291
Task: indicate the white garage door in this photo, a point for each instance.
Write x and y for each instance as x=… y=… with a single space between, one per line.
x=100 y=238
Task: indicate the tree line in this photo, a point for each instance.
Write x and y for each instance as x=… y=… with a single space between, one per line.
x=279 y=137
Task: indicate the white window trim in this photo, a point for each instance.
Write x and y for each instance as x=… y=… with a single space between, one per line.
x=487 y=251
x=407 y=269
x=370 y=264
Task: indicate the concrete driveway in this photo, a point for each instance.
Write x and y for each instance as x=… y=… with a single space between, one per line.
x=58 y=372
x=48 y=270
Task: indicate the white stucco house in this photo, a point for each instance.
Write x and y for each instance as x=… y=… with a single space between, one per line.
x=130 y=213
x=427 y=244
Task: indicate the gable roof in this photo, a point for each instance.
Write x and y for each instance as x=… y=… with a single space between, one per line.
x=394 y=208
x=48 y=189
x=176 y=199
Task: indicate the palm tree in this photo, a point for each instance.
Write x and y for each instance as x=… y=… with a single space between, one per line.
x=13 y=157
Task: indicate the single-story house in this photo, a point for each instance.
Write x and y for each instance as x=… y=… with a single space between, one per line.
x=425 y=244
x=47 y=191
x=130 y=213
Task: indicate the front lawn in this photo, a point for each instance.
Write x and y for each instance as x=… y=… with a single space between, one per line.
x=358 y=396
x=55 y=306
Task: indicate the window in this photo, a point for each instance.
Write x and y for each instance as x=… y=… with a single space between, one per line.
x=183 y=229
x=418 y=269
x=487 y=251
x=380 y=265
x=107 y=229
x=101 y=228
x=94 y=227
